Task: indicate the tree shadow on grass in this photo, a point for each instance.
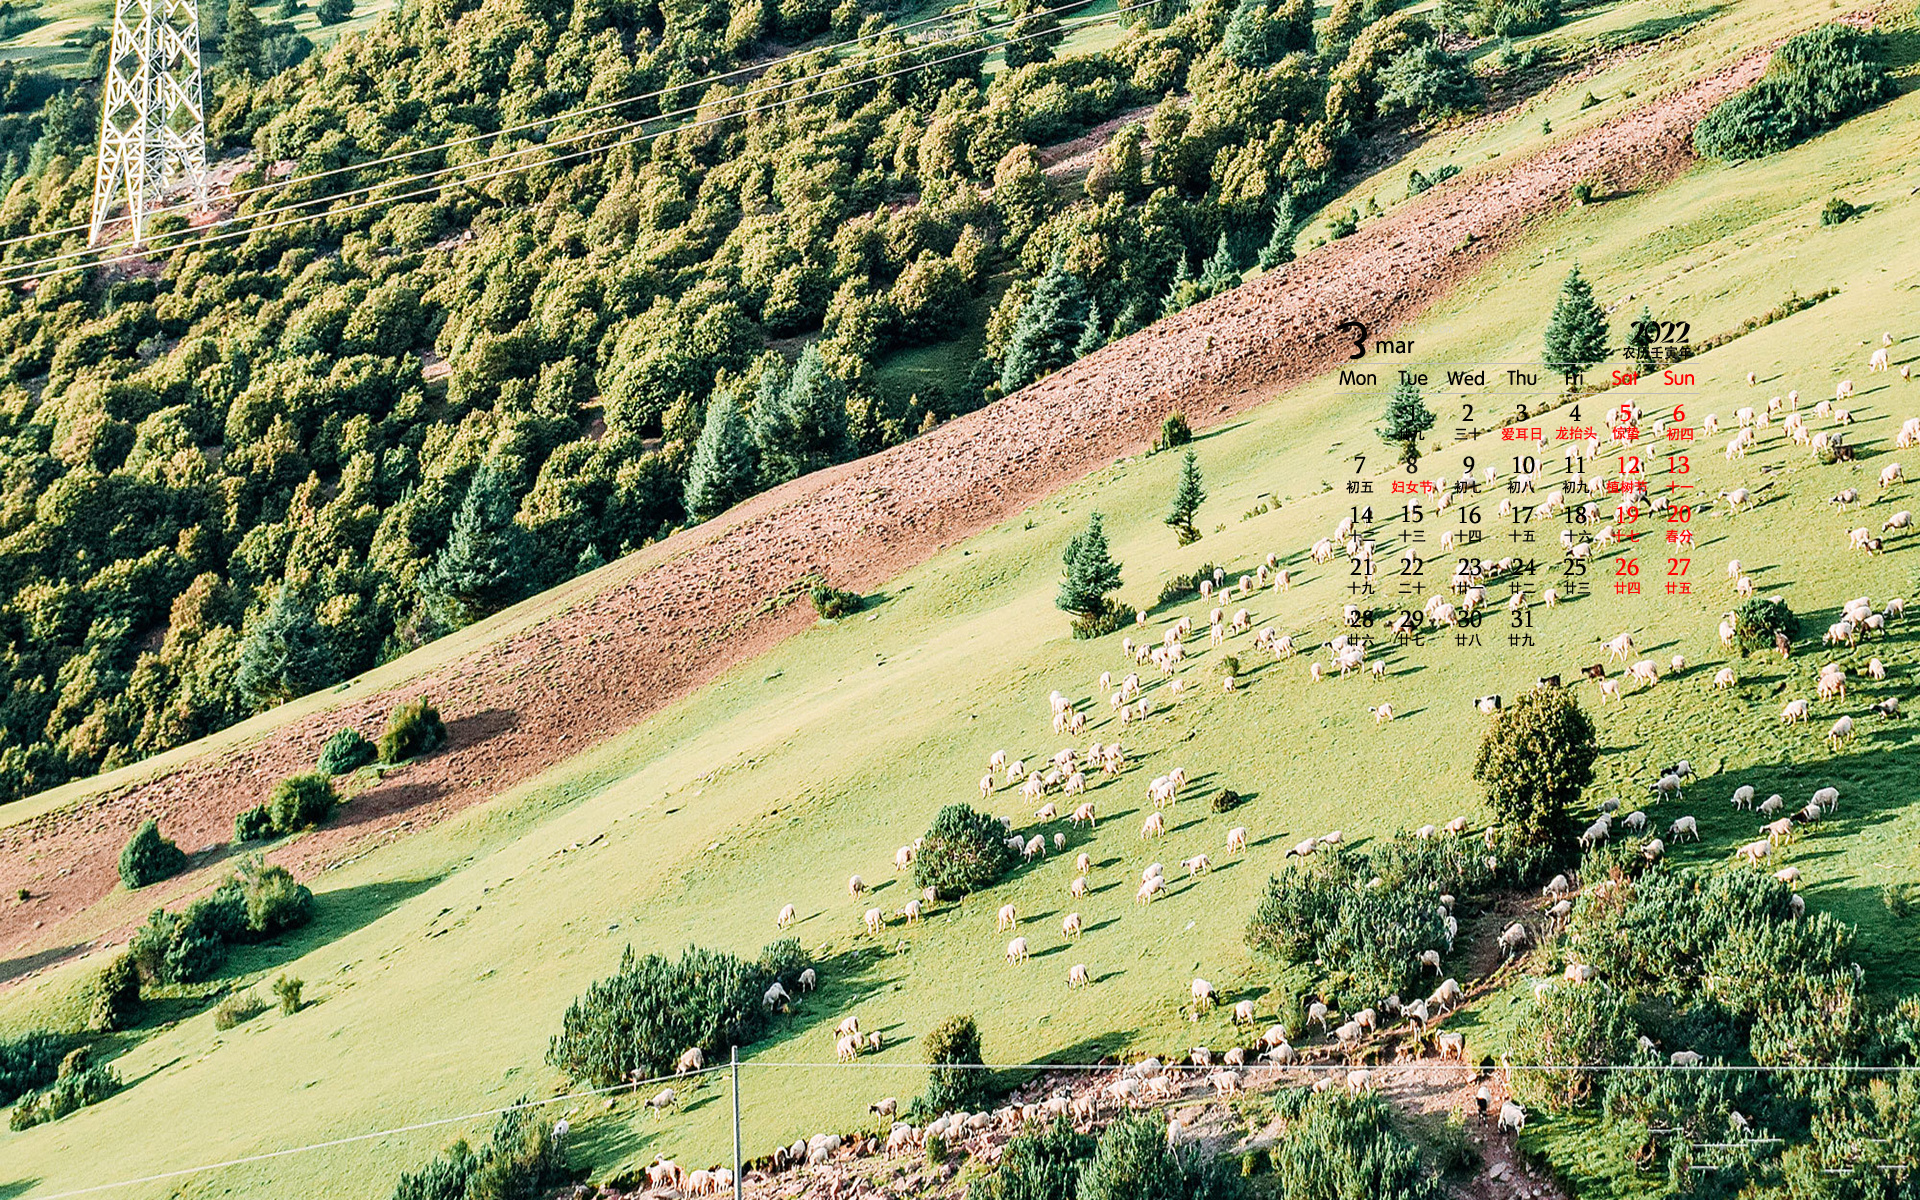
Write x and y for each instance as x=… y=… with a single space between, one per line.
x=13 y=968
x=17 y=1188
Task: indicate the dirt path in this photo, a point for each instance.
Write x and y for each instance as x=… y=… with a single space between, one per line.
x=520 y=706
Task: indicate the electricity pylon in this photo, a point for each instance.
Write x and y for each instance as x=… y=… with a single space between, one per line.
x=152 y=130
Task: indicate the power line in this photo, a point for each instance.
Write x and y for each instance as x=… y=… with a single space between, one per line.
x=657 y=93
x=256 y=225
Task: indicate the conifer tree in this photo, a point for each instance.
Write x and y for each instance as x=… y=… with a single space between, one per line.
x=803 y=426
x=1036 y=33
x=1220 y=273
x=242 y=49
x=1577 y=332
x=1279 y=248
x=481 y=568
x=1406 y=419
x=1187 y=498
x=1091 y=338
x=1248 y=41
x=1090 y=572
x=286 y=653
x=725 y=462
x=1050 y=325
x=1182 y=293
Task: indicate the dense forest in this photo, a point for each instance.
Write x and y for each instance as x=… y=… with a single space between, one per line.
x=245 y=467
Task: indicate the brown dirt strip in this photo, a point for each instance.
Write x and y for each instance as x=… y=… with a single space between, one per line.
x=521 y=706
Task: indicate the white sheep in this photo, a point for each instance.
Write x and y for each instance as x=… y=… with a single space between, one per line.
x=1009 y=918
x=787 y=917
x=856 y=886
x=1017 y=950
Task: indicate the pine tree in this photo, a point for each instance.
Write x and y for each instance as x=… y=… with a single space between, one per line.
x=1187 y=498
x=241 y=50
x=1182 y=293
x=725 y=462
x=1406 y=419
x=1248 y=41
x=803 y=426
x=1050 y=325
x=1577 y=333
x=1090 y=572
x=1091 y=338
x=1640 y=341
x=1220 y=273
x=1279 y=248
x=481 y=568
x=286 y=653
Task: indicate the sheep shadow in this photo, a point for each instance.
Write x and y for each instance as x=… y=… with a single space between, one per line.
x=1097 y=926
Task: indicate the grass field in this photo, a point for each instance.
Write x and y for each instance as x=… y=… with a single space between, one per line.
x=440 y=965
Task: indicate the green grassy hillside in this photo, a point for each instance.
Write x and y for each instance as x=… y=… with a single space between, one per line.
x=441 y=965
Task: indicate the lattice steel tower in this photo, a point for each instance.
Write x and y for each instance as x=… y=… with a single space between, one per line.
x=152 y=131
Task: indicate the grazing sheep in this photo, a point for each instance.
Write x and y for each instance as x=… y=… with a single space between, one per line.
x=1078 y=888
x=911 y=911
x=856 y=886
x=808 y=980
x=1794 y=712
x=663 y=1099
x=1155 y=826
x=787 y=917
x=775 y=996
x=1084 y=863
x=1077 y=976
x=1071 y=926
x=1753 y=852
x=1017 y=950
x=1008 y=918
x=1513 y=937
x=1653 y=850
x=875 y=920
x=1743 y=797
x=1684 y=1058
x=1512 y=1117
x=1149 y=889
x=1199 y=864
x=1452 y=1046
x=1788 y=875
x=1203 y=994
x=1684 y=825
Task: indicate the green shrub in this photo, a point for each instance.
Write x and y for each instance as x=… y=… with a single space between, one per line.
x=78 y=1083
x=1896 y=898
x=29 y=1061
x=956 y=1079
x=1229 y=666
x=1134 y=1161
x=1446 y=172
x=114 y=995
x=1371 y=937
x=300 y=802
x=520 y=1161
x=1174 y=431
x=347 y=750
x=414 y=729
x=1341 y=1147
x=964 y=850
x=1344 y=224
x=1181 y=587
x=287 y=989
x=1417 y=183
x=1112 y=617
x=1582 y=191
x=1426 y=83
x=253 y=824
x=1565 y=1032
x=1837 y=212
x=1813 y=83
x=170 y=948
x=653 y=1008
x=1225 y=800
x=1037 y=1164
x=1758 y=622
x=275 y=901
x=235 y=1008
x=1088 y=573
x=831 y=602
x=148 y=858
x=1535 y=761
x=936 y=1149
x=1254 y=1162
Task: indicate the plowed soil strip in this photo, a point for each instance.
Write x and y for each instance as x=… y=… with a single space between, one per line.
x=531 y=701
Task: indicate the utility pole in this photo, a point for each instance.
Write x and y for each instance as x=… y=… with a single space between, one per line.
x=153 y=131
x=736 y=1123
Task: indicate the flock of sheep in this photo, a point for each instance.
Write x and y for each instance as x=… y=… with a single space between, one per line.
x=1070 y=779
